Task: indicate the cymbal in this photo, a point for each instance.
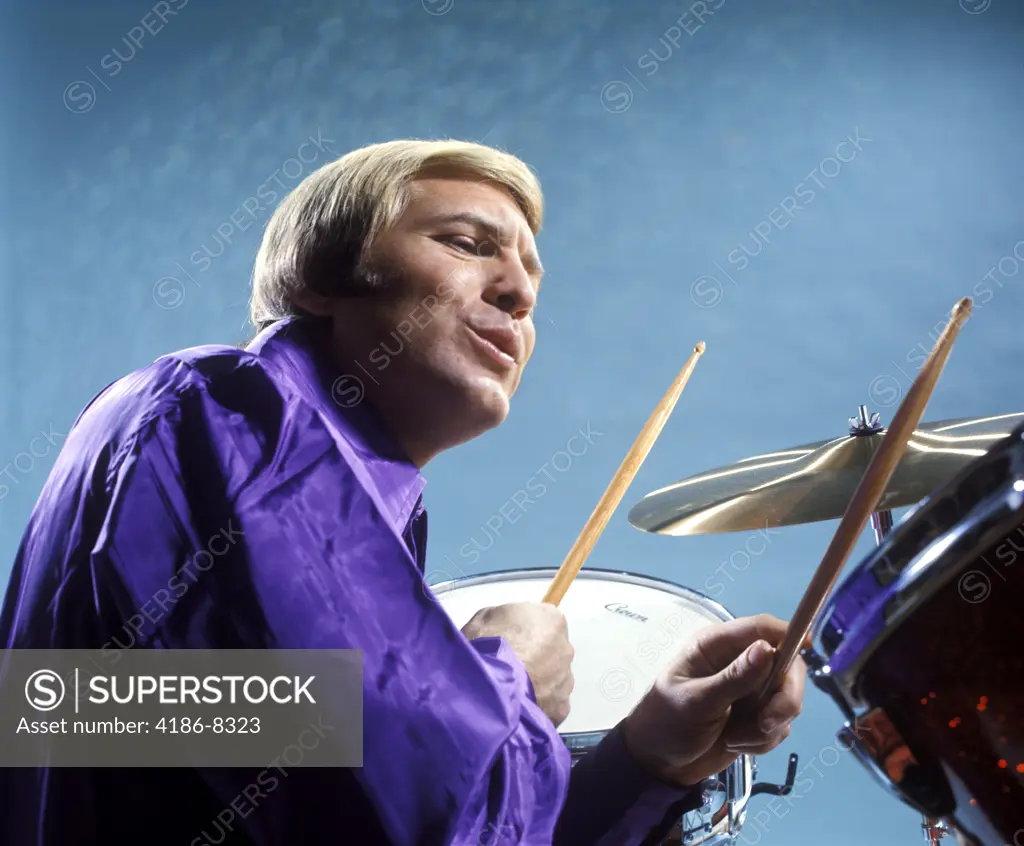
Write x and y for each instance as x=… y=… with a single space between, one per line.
x=816 y=481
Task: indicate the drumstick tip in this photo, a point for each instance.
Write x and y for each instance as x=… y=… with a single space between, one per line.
x=700 y=347
x=962 y=310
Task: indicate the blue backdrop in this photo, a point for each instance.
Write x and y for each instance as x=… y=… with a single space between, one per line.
x=806 y=186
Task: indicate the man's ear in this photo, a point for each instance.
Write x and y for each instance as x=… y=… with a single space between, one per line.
x=313 y=303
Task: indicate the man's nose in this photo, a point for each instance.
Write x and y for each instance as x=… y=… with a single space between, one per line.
x=513 y=290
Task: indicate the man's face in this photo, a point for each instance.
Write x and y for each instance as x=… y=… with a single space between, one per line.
x=451 y=327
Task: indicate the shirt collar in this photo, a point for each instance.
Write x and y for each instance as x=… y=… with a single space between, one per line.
x=294 y=346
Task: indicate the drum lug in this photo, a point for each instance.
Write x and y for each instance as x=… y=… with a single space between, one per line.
x=710 y=826
x=934 y=830
x=778 y=789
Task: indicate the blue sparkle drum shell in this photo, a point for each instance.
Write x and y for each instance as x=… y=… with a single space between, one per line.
x=921 y=648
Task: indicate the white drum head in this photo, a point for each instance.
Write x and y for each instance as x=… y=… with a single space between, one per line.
x=624 y=629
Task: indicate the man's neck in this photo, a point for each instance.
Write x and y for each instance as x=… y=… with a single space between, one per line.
x=370 y=398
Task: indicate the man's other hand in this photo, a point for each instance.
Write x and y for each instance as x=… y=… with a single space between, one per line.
x=699 y=717
x=539 y=635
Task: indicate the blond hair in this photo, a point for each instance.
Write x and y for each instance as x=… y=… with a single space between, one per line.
x=319 y=235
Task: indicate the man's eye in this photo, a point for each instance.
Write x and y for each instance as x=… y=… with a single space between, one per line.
x=463 y=242
x=482 y=249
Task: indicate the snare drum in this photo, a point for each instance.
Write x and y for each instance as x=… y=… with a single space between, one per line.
x=624 y=629
x=921 y=648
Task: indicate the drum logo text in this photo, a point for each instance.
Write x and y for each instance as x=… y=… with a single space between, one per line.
x=623 y=610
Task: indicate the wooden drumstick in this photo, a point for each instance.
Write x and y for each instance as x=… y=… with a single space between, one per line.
x=865 y=499
x=620 y=482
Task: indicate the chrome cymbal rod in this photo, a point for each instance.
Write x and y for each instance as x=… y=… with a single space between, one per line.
x=881 y=522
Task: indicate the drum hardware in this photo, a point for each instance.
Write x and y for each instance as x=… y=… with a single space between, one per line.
x=766 y=789
x=881 y=524
x=934 y=830
x=719 y=826
x=708 y=820
x=871 y=424
x=865 y=423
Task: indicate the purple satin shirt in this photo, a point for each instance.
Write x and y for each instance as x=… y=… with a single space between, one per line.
x=221 y=498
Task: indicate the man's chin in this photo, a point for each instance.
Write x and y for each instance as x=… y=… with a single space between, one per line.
x=494 y=402
x=487 y=403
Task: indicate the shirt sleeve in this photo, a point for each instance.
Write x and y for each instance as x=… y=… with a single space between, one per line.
x=243 y=501
x=613 y=801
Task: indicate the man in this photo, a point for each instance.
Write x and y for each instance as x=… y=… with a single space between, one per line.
x=393 y=295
